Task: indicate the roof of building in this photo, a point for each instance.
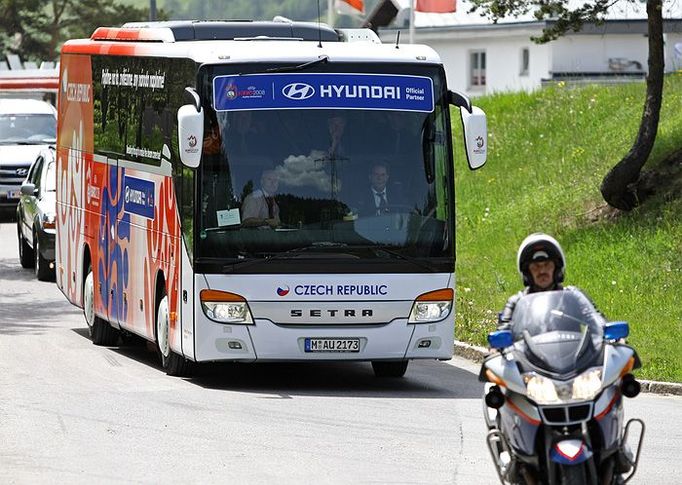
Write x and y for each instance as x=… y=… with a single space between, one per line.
x=621 y=10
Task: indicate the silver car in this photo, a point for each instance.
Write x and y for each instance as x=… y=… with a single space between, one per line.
x=36 y=214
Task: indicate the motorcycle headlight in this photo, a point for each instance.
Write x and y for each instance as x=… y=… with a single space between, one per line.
x=432 y=306
x=587 y=385
x=225 y=307
x=540 y=389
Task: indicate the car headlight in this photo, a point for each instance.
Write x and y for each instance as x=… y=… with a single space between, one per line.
x=587 y=384
x=432 y=306
x=48 y=220
x=225 y=307
x=540 y=389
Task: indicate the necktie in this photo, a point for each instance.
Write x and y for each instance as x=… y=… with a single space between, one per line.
x=383 y=205
x=271 y=207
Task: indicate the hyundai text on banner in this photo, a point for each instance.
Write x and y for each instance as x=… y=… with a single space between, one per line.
x=322 y=91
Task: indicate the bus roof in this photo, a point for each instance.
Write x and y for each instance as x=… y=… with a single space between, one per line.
x=246 y=41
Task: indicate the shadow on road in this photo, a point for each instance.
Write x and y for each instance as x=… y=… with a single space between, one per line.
x=11 y=270
x=21 y=317
x=8 y=214
x=424 y=379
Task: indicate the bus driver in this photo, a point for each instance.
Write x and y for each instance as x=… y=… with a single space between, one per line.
x=260 y=208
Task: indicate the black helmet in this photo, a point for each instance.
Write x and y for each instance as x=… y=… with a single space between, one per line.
x=540 y=247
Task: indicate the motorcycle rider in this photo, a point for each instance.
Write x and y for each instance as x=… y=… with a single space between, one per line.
x=541 y=263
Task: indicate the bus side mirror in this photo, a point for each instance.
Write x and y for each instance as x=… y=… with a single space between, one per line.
x=190 y=134
x=475 y=128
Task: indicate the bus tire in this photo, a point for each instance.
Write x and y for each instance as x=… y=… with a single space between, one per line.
x=100 y=331
x=395 y=368
x=172 y=363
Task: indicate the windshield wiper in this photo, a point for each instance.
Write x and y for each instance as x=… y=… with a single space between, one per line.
x=300 y=67
x=288 y=254
x=409 y=259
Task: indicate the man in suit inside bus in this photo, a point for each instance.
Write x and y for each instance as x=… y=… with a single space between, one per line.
x=380 y=197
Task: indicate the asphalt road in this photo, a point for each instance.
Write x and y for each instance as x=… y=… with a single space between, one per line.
x=71 y=412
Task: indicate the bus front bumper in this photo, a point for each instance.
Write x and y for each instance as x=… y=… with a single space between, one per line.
x=397 y=340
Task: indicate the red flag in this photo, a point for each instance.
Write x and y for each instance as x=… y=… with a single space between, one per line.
x=350 y=7
x=436 y=6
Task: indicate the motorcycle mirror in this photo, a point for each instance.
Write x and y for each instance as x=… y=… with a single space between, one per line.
x=629 y=386
x=500 y=339
x=616 y=330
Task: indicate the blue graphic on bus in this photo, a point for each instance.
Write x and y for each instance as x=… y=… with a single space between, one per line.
x=138 y=196
x=320 y=91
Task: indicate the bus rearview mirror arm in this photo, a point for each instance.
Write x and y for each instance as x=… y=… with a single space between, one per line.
x=195 y=99
x=460 y=100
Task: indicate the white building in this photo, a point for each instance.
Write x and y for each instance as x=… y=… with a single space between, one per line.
x=481 y=57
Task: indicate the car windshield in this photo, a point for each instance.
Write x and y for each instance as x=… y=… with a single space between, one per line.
x=561 y=331
x=375 y=182
x=27 y=128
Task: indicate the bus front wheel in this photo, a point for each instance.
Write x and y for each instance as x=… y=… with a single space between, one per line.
x=173 y=364
x=384 y=368
x=100 y=331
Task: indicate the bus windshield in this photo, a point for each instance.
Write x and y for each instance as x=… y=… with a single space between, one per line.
x=367 y=183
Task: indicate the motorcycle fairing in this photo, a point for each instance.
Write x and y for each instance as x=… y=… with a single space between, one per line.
x=520 y=421
x=608 y=413
x=616 y=357
x=570 y=452
x=504 y=367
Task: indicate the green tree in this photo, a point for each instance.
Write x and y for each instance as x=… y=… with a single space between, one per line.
x=619 y=187
x=36 y=29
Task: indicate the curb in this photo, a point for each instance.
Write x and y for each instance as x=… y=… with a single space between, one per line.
x=477 y=354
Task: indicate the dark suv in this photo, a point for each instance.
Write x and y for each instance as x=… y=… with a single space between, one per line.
x=36 y=214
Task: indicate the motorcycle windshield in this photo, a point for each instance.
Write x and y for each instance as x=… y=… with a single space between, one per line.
x=561 y=330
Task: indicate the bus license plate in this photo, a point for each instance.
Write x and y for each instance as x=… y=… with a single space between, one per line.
x=332 y=345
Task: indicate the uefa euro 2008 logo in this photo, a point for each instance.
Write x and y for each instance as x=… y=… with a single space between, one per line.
x=231 y=92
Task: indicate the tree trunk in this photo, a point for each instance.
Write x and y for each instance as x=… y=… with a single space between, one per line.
x=618 y=186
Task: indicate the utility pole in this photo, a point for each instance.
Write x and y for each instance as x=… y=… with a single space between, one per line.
x=152 y=10
x=330 y=13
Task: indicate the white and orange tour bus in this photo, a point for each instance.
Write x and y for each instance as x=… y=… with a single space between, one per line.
x=248 y=191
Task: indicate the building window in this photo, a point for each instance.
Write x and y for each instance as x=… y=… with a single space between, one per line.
x=477 y=63
x=525 y=61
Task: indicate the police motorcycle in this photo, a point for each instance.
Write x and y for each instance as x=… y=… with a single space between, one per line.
x=553 y=395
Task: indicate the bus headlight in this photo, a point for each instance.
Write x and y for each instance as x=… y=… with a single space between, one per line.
x=587 y=384
x=225 y=307
x=432 y=306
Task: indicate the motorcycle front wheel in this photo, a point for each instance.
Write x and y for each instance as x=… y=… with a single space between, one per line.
x=573 y=474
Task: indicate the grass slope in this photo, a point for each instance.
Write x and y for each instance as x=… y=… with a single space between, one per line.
x=549 y=151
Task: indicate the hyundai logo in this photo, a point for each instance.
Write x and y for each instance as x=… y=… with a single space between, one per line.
x=21 y=172
x=298 y=91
